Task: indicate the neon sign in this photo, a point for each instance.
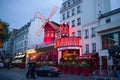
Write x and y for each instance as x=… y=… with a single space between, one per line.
x=64 y=30
x=67 y=41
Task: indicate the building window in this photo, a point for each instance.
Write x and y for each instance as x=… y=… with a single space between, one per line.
x=78 y=21
x=86 y=33
x=68 y=14
x=79 y=33
x=73 y=34
x=110 y=40
x=93 y=47
x=73 y=23
x=87 y=48
x=73 y=11
x=64 y=5
x=78 y=9
x=63 y=16
x=48 y=34
x=68 y=3
x=52 y=33
x=108 y=20
x=93 y=32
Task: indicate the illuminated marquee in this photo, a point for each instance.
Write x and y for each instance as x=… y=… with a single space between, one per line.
x=67 y=41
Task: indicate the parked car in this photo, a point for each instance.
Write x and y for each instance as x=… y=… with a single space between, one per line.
x=48 y=71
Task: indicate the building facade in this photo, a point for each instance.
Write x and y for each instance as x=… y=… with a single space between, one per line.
x=109 y=32
x=21 y=39
x=83 y=17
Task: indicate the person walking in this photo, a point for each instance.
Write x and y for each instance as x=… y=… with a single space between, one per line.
x=31 y=70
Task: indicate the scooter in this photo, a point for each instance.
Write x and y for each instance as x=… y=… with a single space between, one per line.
x=30 y=74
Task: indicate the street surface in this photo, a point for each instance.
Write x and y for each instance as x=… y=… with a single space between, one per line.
x=19 y=74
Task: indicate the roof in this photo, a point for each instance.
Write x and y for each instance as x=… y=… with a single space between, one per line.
x=110 y=13
x=54 y=25
x=46 y=49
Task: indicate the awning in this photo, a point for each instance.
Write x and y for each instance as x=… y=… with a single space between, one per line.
x=88 y=55
x=46 y=49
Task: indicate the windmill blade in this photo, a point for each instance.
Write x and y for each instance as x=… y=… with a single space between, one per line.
x=39 y=30
x=53 y=12
x=40 y=16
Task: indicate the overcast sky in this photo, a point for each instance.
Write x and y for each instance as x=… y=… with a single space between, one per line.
x=18 y=12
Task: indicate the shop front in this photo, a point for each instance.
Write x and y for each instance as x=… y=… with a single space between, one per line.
x=19 y=60
x=43 y=55
x=69 y=49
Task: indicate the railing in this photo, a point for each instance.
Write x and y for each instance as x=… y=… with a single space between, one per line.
x=104 y=75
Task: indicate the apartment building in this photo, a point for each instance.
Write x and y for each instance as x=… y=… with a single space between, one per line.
x=83 y=17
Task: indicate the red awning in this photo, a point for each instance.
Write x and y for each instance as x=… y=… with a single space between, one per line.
x=88 y=55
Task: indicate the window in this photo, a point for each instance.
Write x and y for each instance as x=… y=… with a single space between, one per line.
x=73 y=11
x=108 y=20
x=93 y=47
x=48 y=34
x=68 y=14
x=64 y=5
x=79 y=33
x=87 y=48
x=73 y=23
x=73 y=34
x=111 y=39
x=52 y=33
x=78 y=21
x=86 y=33
x=93 y=32
x=78 y=9
x=63 y=16
x=68 y=3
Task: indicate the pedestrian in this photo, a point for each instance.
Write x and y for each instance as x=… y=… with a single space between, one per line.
x=31 y=70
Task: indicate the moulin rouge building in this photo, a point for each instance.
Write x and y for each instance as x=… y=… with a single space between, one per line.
x=59 y=46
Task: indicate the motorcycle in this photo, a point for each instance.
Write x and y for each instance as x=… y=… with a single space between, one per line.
x=31 y=74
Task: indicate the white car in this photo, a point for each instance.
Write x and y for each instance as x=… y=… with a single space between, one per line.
x=1 y=65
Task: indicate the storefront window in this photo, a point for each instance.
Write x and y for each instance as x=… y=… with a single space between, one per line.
x=109 y=40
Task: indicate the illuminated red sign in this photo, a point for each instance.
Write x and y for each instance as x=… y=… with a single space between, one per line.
x=68 y=41
x=64 y=30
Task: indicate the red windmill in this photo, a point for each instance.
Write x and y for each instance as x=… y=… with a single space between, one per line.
x=50 y=28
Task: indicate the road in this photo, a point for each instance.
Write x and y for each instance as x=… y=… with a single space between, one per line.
x=19 y=74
